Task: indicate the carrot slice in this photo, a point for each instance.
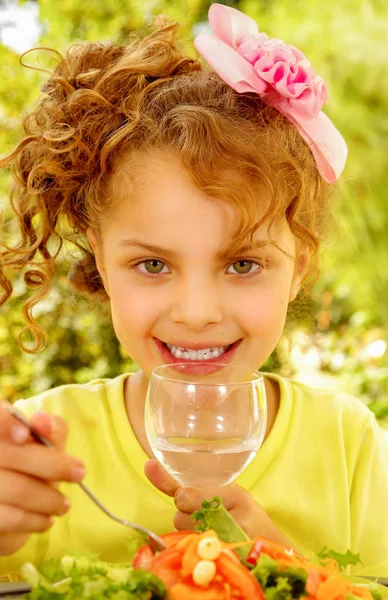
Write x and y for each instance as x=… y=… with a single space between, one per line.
x=185 y=542
x=239 y=578
x=264 y=546
x=334 y=588
x=227 y=591
x=362 y=592
x=190 y=558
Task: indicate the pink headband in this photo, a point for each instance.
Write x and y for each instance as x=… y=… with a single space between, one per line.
x=249 y=61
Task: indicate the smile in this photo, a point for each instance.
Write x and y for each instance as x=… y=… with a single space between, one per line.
x=199 y=359
x=202 y=354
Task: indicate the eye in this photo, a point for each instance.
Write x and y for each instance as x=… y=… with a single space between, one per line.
x=243 y=267
x=152 y=266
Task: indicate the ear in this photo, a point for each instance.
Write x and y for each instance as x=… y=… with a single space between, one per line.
x=301 y=265
x=96 y=248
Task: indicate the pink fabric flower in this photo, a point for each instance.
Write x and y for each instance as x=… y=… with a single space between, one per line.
x=287 y=70
x=250 y=61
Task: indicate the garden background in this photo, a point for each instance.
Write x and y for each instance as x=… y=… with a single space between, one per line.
x=339 y=340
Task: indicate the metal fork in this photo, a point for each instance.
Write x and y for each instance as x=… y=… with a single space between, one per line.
x=156 y=544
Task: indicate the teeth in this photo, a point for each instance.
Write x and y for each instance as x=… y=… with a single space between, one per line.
x=203 y=354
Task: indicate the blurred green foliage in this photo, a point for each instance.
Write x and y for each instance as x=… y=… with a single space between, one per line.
x=344 y=331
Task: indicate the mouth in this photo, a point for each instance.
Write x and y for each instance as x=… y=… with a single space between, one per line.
x=187 y=353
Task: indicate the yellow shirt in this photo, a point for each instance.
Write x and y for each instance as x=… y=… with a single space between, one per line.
x=321 y=475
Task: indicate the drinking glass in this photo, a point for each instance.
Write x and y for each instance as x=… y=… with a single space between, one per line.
x=205 y=425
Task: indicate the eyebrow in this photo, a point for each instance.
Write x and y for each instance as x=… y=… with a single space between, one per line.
x=132 y=243
x=137 y=244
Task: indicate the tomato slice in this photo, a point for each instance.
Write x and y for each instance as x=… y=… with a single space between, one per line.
x=167 y=566
x=144 y=555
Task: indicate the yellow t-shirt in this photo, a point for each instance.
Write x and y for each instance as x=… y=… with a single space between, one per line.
x=321 y=475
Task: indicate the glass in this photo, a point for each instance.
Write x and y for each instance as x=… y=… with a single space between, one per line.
x=205 y=427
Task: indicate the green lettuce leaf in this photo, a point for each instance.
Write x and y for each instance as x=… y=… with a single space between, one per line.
x=344 y=560
x=286 y=584
x=86 y=577
x=133 y=544
x=213 y=515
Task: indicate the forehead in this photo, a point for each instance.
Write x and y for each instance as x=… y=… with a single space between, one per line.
x=155 y=194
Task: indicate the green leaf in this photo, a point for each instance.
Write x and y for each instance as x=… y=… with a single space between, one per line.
x=213 y=515
x=343 y=560
x=133 y=544
x=91 y=578
x=279 y=584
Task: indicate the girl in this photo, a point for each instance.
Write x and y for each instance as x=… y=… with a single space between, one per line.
x=196 y=198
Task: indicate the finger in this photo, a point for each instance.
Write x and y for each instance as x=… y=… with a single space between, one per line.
x=11 y=542
x=13 y=519
x=52 y=427
x=11 y=429
x=253 y=519
x=190 y=499
x=183 y=521
x=30 y=494
x=160 y=478
x=42 y=462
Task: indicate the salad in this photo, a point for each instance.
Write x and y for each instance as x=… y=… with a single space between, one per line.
x=216 y=562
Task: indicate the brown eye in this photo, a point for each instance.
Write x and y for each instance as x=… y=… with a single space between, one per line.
x=153 y=266
x=242 y=267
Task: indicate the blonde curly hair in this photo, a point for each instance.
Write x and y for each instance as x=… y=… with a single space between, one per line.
x=107 y=101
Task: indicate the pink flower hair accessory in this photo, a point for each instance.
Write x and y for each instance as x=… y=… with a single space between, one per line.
x=250 y=61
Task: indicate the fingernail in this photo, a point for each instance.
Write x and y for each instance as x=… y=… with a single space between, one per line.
x=66 y=505
x=19 y=434
x=79 y=472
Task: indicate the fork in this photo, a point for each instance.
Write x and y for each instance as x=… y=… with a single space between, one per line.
x=155 y=542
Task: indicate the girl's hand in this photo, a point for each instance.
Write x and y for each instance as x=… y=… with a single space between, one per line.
x=243 y=508
x=28 y=474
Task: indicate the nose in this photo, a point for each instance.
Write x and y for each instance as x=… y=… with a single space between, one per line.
x=197 y=303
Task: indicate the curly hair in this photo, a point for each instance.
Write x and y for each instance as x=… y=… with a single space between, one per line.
x=106 y=101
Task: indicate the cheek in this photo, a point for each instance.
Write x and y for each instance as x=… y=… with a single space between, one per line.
x=133 y=309
x=133 y=316
x=263 y=312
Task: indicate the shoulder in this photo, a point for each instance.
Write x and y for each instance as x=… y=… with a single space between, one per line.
x=326 y=408
x=336 y=421
x=66 y=398
x=330 y=399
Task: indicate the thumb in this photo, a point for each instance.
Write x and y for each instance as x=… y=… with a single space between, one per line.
x=52 y=427
x=160 y=478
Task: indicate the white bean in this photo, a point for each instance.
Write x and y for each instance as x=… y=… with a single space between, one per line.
x=209 y=548
x=204 y=572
